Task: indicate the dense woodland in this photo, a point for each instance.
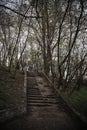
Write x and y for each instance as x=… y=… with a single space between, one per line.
x=49 y=34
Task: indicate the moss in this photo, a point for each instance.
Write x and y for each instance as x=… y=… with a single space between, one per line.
x=78 y=100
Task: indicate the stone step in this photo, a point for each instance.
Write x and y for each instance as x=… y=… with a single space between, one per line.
x=50 y=109
x=38 y=104
x=51 y=97
x=46 y=107
x=34 y=96
x=29 y=94
x=42 y=101
x=30 y=91
x=32 y=88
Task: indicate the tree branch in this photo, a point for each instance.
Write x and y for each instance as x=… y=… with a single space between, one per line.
x=25 y=16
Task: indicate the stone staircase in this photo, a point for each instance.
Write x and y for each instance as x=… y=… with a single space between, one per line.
x=42 y=101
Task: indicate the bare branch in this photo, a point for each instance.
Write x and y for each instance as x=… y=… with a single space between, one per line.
x=25 y=16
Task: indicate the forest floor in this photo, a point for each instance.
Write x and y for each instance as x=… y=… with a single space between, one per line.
x=77 y=100
x=11 y=90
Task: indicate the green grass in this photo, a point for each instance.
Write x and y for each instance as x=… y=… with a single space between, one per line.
x=78 y=100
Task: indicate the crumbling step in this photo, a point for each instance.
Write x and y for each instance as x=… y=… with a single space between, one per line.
x=30 y=92
x=38 y=104
x=36 y=89
x=35 y=95
x=32 y=87
x=42 y=100
x=33 y=92
x=32 y=97
x=48 y=103
x=50 y=97
x=42 y=109
x=38 y=101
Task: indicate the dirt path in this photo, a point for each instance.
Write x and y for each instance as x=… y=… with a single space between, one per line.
x=46 y=111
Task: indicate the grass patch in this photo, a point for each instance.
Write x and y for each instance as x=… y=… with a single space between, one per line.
x=78 y=100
